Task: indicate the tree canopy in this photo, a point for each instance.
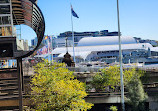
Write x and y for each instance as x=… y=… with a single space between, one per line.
x=54 y=88
x=110 y=76
x=136 y=95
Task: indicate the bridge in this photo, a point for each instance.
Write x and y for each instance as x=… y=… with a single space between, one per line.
x=10 y=94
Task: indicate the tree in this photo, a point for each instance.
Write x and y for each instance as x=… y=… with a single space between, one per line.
x=54 y=88
x=110 y=76
x=136 y=95
x=113 y=108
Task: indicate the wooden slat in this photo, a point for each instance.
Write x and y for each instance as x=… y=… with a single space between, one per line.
x=15 y=1
x=17 y=9
x=18 y=14
x=16 y=5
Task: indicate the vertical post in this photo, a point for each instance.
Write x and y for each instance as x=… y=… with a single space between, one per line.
x=66 y=45
x=48 y=48
x=19 y=69
x=51 y=48
x=120 y=60
x=11 y=16
x=73 y=39
x=20 y=32
x=22 y=79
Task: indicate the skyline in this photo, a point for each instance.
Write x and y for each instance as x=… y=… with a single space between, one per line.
x=137 y=18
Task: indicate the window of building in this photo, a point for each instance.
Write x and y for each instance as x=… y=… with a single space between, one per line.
x=5 y=31
x=4 y=9
x=4 y=1
x=4 y=20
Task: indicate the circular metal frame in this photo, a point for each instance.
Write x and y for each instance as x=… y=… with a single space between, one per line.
x=29 y=13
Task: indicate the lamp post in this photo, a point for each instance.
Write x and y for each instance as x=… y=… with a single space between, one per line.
x=66 y=45
x=120 y=60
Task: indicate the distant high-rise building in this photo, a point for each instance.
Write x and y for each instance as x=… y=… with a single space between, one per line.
x=80 y=35
x=152 y=42
x=60 y=40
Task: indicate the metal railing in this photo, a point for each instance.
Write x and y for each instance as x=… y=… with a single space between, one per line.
x=28 y=69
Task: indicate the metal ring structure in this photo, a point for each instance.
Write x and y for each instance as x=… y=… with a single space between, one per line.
x=27 y=12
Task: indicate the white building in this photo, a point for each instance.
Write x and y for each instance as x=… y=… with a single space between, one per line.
x=107 y=49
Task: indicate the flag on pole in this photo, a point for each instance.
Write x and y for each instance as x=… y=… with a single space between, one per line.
x=73 y=12
x=46 y=37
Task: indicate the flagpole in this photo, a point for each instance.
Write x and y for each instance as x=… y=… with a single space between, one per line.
x=120 y=60
x=51 y=48
x=48 y=47
x=73 y=38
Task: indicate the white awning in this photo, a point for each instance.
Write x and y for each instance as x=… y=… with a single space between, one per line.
x=82 y=55
x=61 y=50
x=155 y=49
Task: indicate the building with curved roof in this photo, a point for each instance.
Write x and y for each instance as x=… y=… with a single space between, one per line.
x=107 y=48
x=144 y=46
x=105 y=40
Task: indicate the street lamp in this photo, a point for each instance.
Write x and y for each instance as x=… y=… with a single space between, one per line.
x=120 y=60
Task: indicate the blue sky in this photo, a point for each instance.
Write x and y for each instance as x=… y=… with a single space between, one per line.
x=138 y=18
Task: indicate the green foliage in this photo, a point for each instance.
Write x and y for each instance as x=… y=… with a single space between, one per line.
x=55 y=89
x=110 y=76
x=145 y=78
x=136 y=95
x=113 y=108
x=27 y=108
x=98 y=82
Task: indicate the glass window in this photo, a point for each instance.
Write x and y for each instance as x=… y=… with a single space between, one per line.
x=5 y=20
x=5 y=9
x=5 y=31
x=0 y=31
x=4 y=1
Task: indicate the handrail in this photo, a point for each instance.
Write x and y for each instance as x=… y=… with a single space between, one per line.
x=38 y=26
